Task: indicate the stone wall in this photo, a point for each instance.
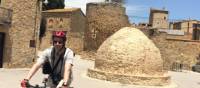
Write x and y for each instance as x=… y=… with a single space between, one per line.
x=177 y=51
x=24 y=27
x=78 y=26
x=73 y=22
x=103 y=19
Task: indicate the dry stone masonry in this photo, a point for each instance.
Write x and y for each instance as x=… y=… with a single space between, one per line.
x=177 y=51
x=129 y=57
x=22 y=31
x=104 y=19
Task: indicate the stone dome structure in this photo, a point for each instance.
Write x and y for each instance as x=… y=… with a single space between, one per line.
x=129 y=57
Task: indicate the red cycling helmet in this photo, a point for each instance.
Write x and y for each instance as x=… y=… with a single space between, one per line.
x=59 y=34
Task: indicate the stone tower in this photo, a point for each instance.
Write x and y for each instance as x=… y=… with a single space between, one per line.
x=158 y=18
x=21 y=36
x=129 y=57
x=103 y=19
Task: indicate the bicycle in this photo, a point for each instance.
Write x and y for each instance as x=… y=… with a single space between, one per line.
x=38 y=86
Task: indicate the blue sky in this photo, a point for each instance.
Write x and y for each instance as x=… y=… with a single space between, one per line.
x=138 y=10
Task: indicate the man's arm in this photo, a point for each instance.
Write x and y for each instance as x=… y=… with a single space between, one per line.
x=33 y=70
x=67 y=72
x=42 y=57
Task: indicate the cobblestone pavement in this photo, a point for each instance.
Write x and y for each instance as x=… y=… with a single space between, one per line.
x=10 y=78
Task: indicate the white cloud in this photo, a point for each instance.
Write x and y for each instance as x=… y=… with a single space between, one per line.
x=80 y=3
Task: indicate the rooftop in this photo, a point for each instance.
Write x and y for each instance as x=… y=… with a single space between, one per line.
x=63 y=10
x=153 y=10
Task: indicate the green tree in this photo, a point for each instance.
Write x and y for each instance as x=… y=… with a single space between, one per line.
x=53 y=4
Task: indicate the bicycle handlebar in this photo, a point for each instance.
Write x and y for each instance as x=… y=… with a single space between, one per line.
x=37 y=86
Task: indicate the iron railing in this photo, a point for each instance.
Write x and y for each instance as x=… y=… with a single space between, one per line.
x=5 y=15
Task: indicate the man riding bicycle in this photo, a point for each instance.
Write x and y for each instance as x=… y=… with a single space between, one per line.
x=57 y=62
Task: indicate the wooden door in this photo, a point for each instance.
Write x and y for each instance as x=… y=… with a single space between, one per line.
x=2 y=37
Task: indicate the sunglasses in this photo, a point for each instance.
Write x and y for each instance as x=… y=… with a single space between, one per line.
x=58 y=42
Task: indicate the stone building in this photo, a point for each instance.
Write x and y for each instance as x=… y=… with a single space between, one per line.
x=186 y=25
x=175 y=47
x=125 y=57
x=190 y=28
x=142 y=25
x=19 y=30
x=103 y=19
x=5 y=23
x=159 y=19
x=196 y=31
x=71 y=20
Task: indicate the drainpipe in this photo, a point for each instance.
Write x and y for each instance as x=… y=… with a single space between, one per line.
x=36 y=26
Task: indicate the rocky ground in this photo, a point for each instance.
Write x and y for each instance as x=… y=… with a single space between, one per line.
x=10 y=78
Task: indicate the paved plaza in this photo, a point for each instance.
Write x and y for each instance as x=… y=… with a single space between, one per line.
x=10 y=78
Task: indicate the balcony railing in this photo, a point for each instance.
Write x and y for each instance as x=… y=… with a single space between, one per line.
x=5 y=16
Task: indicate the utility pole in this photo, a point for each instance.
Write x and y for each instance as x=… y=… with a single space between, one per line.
x=188 y=26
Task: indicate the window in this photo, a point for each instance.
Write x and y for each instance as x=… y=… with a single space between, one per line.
x=164 y=18
x=196 y=25
x=32 y=43
x=177 y=26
